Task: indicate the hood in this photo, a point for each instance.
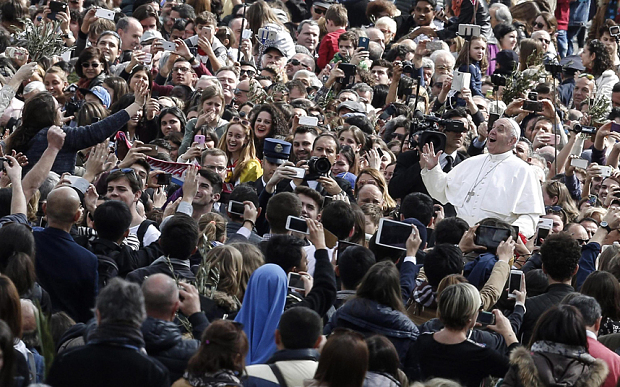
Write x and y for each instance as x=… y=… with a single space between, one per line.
x=160 y=335
x=542 y=369
x=371 y=316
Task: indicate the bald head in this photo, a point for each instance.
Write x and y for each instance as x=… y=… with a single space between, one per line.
x=29 y=313
x=161 y=296
x=63 y=204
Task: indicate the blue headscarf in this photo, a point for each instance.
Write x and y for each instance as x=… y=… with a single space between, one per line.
x=263 y=305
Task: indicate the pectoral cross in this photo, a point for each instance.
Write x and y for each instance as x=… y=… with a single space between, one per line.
x=470 y=195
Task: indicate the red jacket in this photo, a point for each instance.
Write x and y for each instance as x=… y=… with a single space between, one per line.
x=328 y=47
x=562 y=14
x=599 y=351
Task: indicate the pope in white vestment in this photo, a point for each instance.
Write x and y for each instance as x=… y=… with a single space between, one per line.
x=495 y=185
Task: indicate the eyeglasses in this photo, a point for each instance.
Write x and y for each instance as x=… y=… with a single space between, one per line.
x=216 y=168
x=90 y=64
x=444 y=67
x=538 y=25
x=320 y=11
x=250 y=73
x=181 y=69
x=296 y=62
x=242 y=121
x=589 y=77
x=238 y=91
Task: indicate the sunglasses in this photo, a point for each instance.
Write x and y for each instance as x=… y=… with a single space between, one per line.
x=88 y=65
x=126 y=171
x=250 y=73
x=320 y=11
x=538 y=25
x=555 y=209
x=545 y=41
x=582 y=241
x=242 y=121
x=590 y=77
x=296 y=62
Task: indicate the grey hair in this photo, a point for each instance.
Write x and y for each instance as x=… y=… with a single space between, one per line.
x=303 y=23
x=427 y=63
x=502 y=14
x=311 y=76
x=436 y=54
x=364 y=88
x=121 y=302
x=48 y=185
x=588 y=306
x=123 y=22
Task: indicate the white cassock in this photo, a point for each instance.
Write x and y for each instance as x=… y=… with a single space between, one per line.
x=490 y=186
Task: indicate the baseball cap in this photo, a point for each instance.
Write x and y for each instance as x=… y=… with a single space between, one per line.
x=99 y=92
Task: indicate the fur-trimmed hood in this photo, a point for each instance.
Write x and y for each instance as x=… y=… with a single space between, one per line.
x=546 y=369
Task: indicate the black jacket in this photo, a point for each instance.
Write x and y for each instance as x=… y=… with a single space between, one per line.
x=536 y=306
x=181 y=270
x=164 y=342
x=285 y=186
x=125 y=257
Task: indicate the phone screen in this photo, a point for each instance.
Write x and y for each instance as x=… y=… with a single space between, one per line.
x=515 y=282
x=541 y=235
x=297 y=224
x=295 y=281
x=237 y=208
x=491 y=236
x=393 y=234
x=486 y=318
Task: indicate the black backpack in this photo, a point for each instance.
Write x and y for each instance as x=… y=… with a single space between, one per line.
x=107 y=269
x=142 y=230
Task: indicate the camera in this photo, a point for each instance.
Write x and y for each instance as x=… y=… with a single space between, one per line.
x=614 y=31
x=2 y=160
x=317 y=167
x=408 y=67
x=577 y=128
x=553 y=68
x=532 y=96
x=453 y=126
x=438 y=139
x=498 y=80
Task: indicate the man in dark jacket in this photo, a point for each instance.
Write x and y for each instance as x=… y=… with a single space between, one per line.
x=560 y=255
x=179 y=238
x=161 y=334
x=114 y=353
x=297 y=338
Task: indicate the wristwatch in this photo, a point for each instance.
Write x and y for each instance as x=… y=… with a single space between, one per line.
x=605 y=225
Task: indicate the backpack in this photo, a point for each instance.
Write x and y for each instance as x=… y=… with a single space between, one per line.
x=107 y=269
x=142 y=230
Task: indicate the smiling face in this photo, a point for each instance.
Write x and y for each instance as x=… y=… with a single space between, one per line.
x=587 y=58
x=302 y=145
x=309 y=37
x=236 y=139
x=584 y=88
x=341 y=165
x=325 y=147
x=170 y=123
x=108 y=45
x=262 y=125
x=423 y=13
x=509 y=41
x=501 y=137
x=92 y=68
x=228 y=80
x=55 y=85
x=204 y=194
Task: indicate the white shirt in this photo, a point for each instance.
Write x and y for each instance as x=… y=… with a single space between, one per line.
x=151 y=235
x=503 y=187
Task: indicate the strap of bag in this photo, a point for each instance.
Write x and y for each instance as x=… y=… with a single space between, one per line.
x=278 y=374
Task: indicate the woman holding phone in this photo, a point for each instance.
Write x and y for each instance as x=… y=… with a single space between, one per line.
x=210 y=114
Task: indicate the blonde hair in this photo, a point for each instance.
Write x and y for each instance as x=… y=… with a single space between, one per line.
x=212 y=227
x=252 y=259
x=229 y=263
x=247 y=154
x=457 y=305
x=388 y=202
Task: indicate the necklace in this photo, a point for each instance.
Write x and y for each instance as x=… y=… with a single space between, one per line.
x=471 y=194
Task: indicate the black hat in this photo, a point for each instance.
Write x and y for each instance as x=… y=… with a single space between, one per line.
x=572 y=63
x=507 y=60
x=276 y=151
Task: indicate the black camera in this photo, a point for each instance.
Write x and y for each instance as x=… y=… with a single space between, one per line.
x=388 y=112
x=2 y=160
x=408 y=67
x=577 y=128
x=317 y=167
x=498 y=80
x=532 y=96
x=72 y=107
x=438 y=139
x=553 y=68
x=453 y=125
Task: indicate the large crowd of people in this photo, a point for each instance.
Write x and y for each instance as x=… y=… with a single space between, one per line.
x=318 y=193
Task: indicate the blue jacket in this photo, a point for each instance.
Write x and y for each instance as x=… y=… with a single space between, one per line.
x=76 y=139
x=587 y=263
x=67 y=271
x=479 y=270
x=369 y=317
x=475 y=84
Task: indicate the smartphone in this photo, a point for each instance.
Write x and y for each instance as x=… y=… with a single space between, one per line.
x=542 y=231
x=614 y=31
x=327 y=200
x=486 y=318
x=55 y=7
x=296 y=224
x=309 y=121
x=434 y=45
x=236 y=208
x=349 y=73
x=492 y=118
x=380 y=152
x=605 y=170
x=532 y=106
x=393 y=234
x=460 y=80
x=148 y=57
x=516 y=230
x=104 y=14
x=164 y=178
x=514 y=282
x=579 y=163
x=295 y=282
x=615 y=127
x=168 y=46
x=299 y=172
x=153 y=151
x=363 y=42
x=491 y=237
x=265 y=35
x=246 y=34
x=199 y=138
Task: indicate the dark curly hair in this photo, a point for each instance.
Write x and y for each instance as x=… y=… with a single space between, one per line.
x=602 y=60
x=279 y=126
x=560 y=254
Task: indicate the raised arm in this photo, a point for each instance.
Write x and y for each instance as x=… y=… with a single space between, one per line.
x=39 y=172
x=18 y=200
